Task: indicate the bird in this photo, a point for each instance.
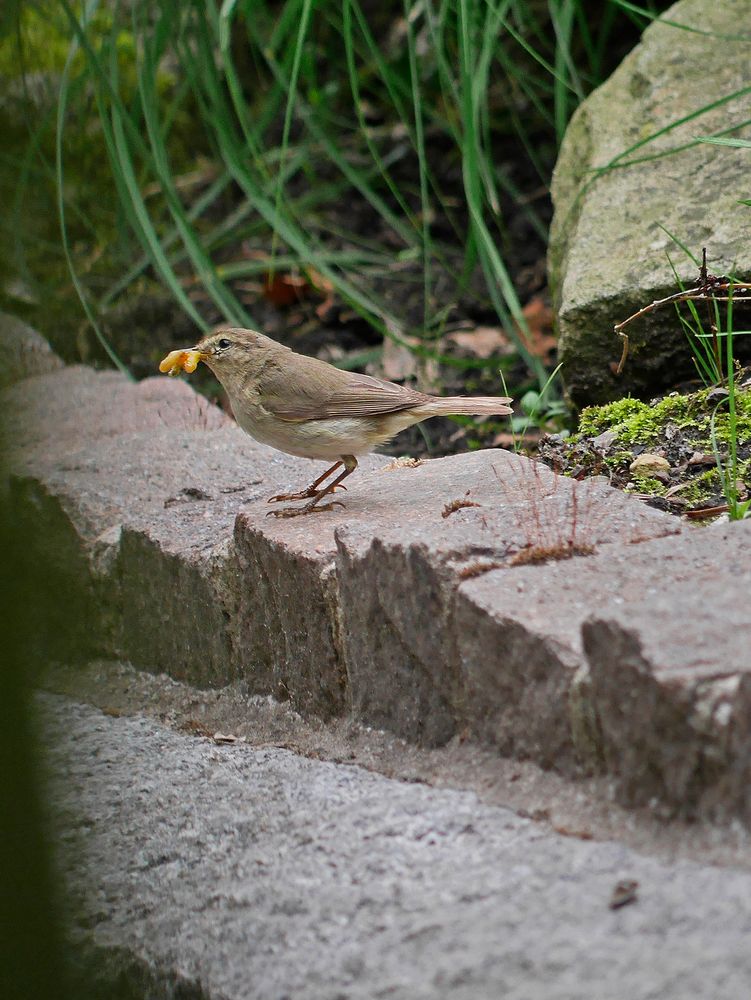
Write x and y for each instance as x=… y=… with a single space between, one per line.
x=306 y=407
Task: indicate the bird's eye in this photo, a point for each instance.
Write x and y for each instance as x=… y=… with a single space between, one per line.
x=223 y=344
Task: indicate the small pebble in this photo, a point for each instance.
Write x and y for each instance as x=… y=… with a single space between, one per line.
x=649 y=464
x=604 y=441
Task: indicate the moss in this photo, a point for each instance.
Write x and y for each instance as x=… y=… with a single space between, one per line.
x=742 y=419
x=673 y=427
x=619 y=460
x=648 y=485
x=596 y=419
x=646 y=426
x=638 y=423
x=45 y=41
x=702 y=488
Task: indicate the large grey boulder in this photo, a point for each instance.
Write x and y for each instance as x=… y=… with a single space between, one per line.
x=609 y=239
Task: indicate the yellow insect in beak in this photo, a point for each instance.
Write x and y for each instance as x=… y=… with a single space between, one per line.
x=180 y=361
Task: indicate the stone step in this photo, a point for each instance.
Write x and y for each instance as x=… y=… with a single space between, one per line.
x=419 y=607
x=225 y=871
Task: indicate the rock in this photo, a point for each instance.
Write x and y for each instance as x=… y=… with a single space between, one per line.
x=24 y=352
x=98 y=460
x=155 y=520
x=508 y=622
x=131 y=492
x=702 y=458
x=717 y=394
x=648 y=464
x=77 y=405
x=657 y=704
x=604 y=442
x=674 y=716
x=285 y=622
x=607 y=248
x=426 y=661
x=250 y=872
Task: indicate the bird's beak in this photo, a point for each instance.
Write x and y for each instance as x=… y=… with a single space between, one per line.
x=185 y=360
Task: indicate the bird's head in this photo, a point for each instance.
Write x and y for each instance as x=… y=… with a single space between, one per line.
x=231 y=353
x=229 y=348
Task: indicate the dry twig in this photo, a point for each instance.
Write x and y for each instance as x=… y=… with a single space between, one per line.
x=711 y=288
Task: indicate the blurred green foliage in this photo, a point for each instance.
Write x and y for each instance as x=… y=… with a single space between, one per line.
x=398 y=153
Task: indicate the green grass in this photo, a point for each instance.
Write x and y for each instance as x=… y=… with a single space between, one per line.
x=402 y=112
x=714 y=357
x=728 y=469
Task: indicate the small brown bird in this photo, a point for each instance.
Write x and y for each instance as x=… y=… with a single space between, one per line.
x=307 y=407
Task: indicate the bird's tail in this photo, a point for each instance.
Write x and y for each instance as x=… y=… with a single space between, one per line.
x=478 y=405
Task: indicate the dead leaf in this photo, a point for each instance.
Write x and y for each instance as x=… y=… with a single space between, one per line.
x=483 y=342
x=326 y=310
x=404 y=462
x=399 y=363
x=284 y=289
x=700 y=512
x=320 y=282
x=505 y=439
x=539 y=318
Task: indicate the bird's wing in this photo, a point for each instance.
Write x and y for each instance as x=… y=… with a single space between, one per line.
x=318 y=390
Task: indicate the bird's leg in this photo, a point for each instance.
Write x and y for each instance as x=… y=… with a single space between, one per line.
x=350 y=464
x=310 y=491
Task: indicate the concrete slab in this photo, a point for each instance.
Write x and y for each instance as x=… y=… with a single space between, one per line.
x=438 y=603
x=427 y=662
x=202 y=870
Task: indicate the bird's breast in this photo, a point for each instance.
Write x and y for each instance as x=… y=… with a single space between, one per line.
x=326 y=439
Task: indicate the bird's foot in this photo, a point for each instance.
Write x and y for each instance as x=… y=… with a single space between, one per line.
x=309 y=508
x=304 y=494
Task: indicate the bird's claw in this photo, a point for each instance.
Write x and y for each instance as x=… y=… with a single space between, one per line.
x=307 y=509
x=305 y=495
x=280 y=497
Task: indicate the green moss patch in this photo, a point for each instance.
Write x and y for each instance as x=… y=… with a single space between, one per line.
x=678 y=428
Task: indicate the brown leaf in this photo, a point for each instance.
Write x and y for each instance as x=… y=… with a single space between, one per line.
x=539 y=317
x=399 y=363
x=482 y=342
x=320 y=282
x=326 y=310
x=285 y=289
x=505 y=439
